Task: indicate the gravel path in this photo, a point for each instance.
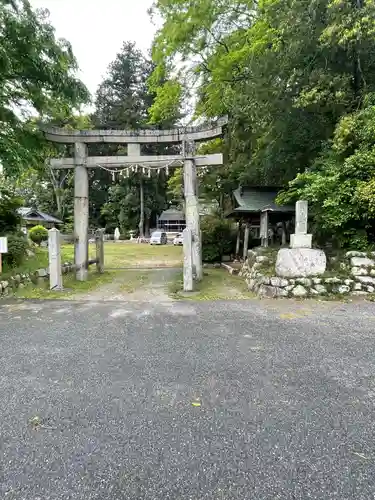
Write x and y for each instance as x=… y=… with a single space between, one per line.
x=174 y=400
x=155 y=289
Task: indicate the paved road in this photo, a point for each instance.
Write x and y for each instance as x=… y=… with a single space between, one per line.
x=96 y=401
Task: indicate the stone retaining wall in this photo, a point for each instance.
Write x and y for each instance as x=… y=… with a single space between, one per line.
x=356 y=277
x=21 y=280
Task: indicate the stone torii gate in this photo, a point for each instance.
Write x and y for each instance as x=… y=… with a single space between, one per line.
x=81 y=162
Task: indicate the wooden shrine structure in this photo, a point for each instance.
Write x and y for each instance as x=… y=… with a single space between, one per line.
x=255 y=209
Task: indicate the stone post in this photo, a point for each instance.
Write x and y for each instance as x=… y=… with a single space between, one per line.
x=81 y=211
x=100 y=250
x=134 y=149
x=54 y=257
x=300 y=238
x=246 y=240
x=188 y=260
x=192 y=206
x=283 y=234
x=264 y=228
x=238 y=241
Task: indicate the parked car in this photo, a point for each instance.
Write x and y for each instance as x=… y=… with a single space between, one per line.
x=178 y=239
x=158 y=238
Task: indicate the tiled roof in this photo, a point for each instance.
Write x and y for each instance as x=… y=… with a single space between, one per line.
x=257 y=200
x=172 y=214
x=36 y=215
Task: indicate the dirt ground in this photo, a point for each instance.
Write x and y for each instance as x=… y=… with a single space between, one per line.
x=142 y=286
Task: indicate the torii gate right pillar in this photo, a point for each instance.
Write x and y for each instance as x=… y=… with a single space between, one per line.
x=192 y=206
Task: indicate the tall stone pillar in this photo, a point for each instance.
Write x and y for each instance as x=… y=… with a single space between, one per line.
x=192 y=206
x=81 y=211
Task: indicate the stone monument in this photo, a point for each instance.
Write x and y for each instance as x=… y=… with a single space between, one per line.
x=300 y=260
x=117 y=234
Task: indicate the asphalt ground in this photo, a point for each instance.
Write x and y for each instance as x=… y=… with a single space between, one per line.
x=187 y=401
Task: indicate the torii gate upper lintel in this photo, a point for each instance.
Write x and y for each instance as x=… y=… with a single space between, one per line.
x=134 y=138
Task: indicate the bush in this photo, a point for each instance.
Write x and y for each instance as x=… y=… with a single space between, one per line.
x=9 y=218
x=17 y=246
x=125 y=235
x=37 y=234
x=218 y=238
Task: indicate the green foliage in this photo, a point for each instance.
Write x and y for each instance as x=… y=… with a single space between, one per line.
x=297 y=80
x=122 y=99
x=340 y=184
x=9 y=203
x=167 y=102
x=176 y=186
x=217 y=238
x=17 y=246
x=37 y=76
x=9 y=225
x=123 y=206
x=37 y=234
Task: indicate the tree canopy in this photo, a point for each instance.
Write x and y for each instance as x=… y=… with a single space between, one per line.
x=297 y=80
x=122 y=101
x=37 y=76
x=295 y=77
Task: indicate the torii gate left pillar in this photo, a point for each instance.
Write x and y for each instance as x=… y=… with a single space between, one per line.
x=81 y=211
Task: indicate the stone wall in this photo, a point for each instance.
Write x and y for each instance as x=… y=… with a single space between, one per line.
x=38 y=277
x=353 y=274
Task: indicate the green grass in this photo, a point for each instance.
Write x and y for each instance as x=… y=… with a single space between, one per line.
x=217 y=284
x=32 y=264
x=71 y=287
x=117 y=255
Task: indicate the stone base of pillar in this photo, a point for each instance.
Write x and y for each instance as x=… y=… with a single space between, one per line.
x=300 y=262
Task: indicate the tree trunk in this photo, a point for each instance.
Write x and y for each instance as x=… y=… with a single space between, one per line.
x=147 y=227
x=57 y=184
x=142 y=209
x=357 y=69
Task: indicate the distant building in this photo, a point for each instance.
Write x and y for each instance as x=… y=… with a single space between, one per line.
x=33 y=217
x=173 y=220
